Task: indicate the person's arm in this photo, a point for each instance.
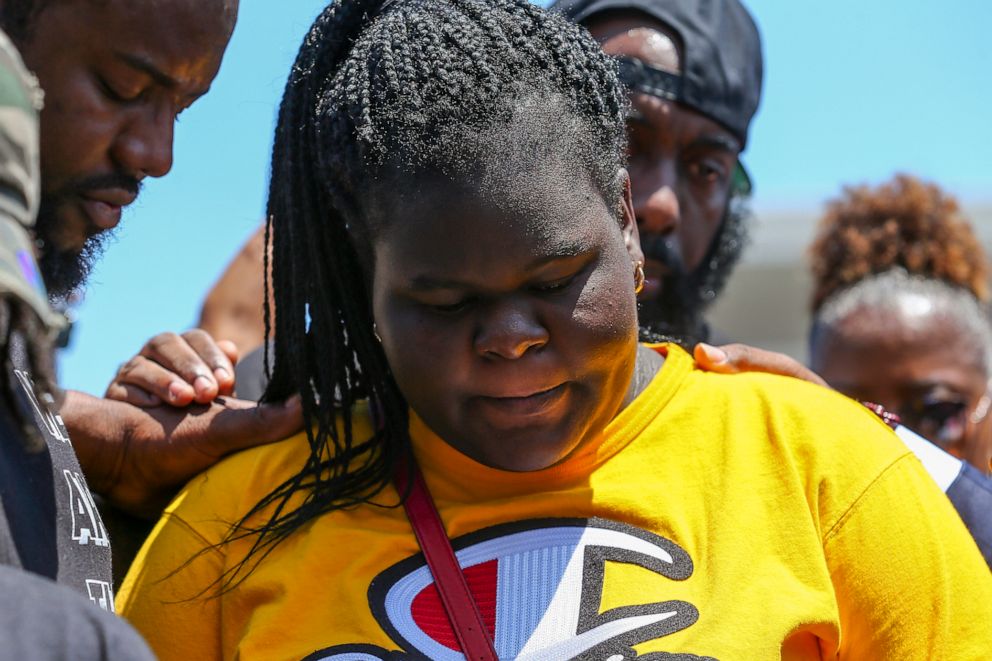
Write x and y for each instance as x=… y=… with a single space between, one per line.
x=138 y=458
x=233 y=308
x=165 y=418
x=909 y=581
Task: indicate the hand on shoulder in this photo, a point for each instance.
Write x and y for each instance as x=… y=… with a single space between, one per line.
x=178 y=370
x=138 y=458
x=737 y=358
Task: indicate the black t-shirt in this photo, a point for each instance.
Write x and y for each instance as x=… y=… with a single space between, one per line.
x=49 y=523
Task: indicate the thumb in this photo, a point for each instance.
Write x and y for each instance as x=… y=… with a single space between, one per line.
x=713 y=359
x=736 y=358
x=244 y=424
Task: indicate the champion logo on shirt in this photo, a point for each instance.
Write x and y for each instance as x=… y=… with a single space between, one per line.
x=539 y=587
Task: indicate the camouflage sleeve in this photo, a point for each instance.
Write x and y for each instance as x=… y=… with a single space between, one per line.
x=20 y=101
x=24 y=308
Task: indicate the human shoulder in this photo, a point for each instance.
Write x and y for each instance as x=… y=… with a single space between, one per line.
x=808 y=418
x=192 y=543
x=225 y=492
x=805 y=412
x=829 y=446
x=245 y=471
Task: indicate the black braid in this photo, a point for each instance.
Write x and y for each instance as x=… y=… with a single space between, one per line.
x=17 y=17
x=378 y=94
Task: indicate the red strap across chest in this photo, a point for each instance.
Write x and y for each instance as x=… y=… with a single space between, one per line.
x=463 y=612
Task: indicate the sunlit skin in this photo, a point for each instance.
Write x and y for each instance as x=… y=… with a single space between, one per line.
x=116 y=75
x=512 y=335
x=904 y=361
x=680 y=162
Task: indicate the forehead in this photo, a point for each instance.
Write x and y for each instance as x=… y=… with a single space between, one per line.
x=908 y=345
x=186 y=38
x=638 y=35
x=635 y=34
x=445 y=229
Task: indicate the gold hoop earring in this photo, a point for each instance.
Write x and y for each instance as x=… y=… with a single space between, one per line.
x=638 y=277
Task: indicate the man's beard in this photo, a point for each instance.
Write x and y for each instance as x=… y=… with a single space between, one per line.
x=65 y=270
x=677 y=314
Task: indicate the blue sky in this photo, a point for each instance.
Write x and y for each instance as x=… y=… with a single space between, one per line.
x=854 y=91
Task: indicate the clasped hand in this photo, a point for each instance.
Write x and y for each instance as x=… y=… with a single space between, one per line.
x=169 y=414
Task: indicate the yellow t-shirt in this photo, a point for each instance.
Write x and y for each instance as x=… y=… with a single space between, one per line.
x=719 y=517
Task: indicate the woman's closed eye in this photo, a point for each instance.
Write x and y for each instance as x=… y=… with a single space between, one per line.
x=452 y=307
x=462 y=304
x=554 y=286
x=560 y=279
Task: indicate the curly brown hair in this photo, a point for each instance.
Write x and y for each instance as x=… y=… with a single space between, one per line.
x=903 y=223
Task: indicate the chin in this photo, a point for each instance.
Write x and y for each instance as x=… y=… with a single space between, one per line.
x=66 y=271
x=525 y=450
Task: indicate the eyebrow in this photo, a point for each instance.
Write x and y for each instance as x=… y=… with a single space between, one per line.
x=919 y=387
x=564 y=251
x=149 y=68
x=717 y=141
x=711 y=140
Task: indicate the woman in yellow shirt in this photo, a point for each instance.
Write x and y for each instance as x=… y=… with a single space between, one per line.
x=455 y=263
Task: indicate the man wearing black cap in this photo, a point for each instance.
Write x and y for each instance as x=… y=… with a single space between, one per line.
x=694 y=69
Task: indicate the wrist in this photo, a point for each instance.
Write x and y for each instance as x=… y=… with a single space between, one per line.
x=99 y=434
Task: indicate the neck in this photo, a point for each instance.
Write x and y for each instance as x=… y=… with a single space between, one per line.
x=647 y=364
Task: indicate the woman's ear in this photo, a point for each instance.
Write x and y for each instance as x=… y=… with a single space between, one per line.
x=628 y=222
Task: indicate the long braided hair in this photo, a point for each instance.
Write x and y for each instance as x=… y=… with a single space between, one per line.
x=17 y=16
x=380 y=93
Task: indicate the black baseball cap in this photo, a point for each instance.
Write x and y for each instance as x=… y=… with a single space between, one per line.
x=721 y=56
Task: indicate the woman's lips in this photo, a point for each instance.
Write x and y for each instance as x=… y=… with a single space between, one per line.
x=530 y=406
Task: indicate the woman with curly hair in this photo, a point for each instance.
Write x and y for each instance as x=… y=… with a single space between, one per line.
x=900 y=312
x=904 y=223
x=900 y=318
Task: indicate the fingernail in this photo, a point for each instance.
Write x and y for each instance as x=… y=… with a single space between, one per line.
x=222 y=374
x=713 y=354
x=201 y=383
x=176 y=390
